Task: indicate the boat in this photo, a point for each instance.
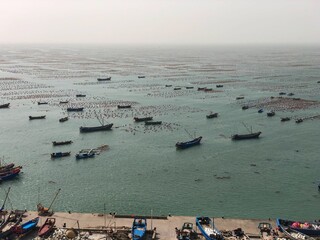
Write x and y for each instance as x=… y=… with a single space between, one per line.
x=26 y=227
x=142 y=119
x=245 y=136
x=168 y=85
x=201 y=88
x=60 y=154
x=308 y=228
x=11 y=223
x=42 y=103
x=47 y=227
x=153 y=123
x=124 y=106
x=245 y=107
x=219 y=86
x=212 y=115
x=299 y=120
x=10 y=176
x=139 y=228
x=95 y=129
x=260 y=110
x=85 y=154
x=207 y=228
x=186 y=232
x=63 y=102
x=80 y=95
x=293 y=234
x=177 y=88
x=285 y=119
x=104 y=79
x=207 y=89
x=37 y=117
x=239 y=98
x=55 y=143
x=189 y=87
x=183 y=145
x=10 y=171
x=6 y=105
x=7 y=166
x=72 y=109
x=63 y=119
x=141 y=76
x=282 y=93
x=271 y=114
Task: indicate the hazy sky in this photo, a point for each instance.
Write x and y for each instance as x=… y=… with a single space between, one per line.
x=160 y=21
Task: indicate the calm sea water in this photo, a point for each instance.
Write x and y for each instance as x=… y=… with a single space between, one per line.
x=273 y=176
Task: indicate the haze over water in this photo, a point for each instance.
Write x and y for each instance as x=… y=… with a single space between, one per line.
x=141 y=171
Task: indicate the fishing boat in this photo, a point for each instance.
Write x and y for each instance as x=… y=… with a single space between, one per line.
x=26 y=227
x=294 y=235
x=212 y=115
x=142 y=119
x=183 y=145
x=141 y=76
x=260 y=110
x=11 y=223
x=42 y=103
x=63 y=119
x=55 y=143
x=186 y=232
x=80 y=95
x=63 y=102
x=208 y=229
x=37 y=117
x=168 y=85
x=201 y=88
x=308 y=228
x=189 y=87
x=153 y=123
x=239 y=98
x=60 y=154
x=245 y=136
x=6 y=105
x=124 y=106
x=271 y=114
x=85 y=154
x=219 y=86
x=177 y=88
x=47 y=227
x=9 y=171
x=95 y=129
x=245 y=107
x=75 y=109
x=104 y=79
x=207 y=89
x=139 y=228
x=285 y=119
x=10 y=176
x=6 y=167
x=299 y=120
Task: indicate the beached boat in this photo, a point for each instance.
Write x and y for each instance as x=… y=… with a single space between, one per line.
x=85 y=154
x=308 y=228
x=208 y=229
x=271 y=114
x=63 y=119
x=142 y=119
x=124 y=106
x=153 y=123
x=60 y=154
x=95 y=129
x=26 y=227
x=6 y=105
x=285 y=119
x=104 y=79
x=293 y=234
x=212 y=115
x=37 y=117
x=183 y=145
x=10 y=224
x=55 y=143
x=186 y=232
x=75 y=109
x=80 y=95
x=245 y=136
x=47 y=227
x=42 y=103
x=139 y=228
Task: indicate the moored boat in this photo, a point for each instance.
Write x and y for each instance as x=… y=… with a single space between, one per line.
x=6 y=166
x=271 y=114
x=139 y=228
x=85 y=154
x=124 y=106
x=239 y=98
x=26 y=227
x=60 y=154
x=212 y=115
x=80 y=95
x=10 y=176
x=10 y=224
x=153 y=123
x=168 y=85
x=245 y=136
x=47 y=227
x=245 y=107
x=285 y=119
x=42 y=103
x=260 y=110
x=142 y=119
x=75 y=109
x=219 y=86
x=104 y=79
x=63 y=102
x=55 y=143
x=6 y=105
x=95 y=129
x=183 y=145
x=208 y=229
x=308 y=228
x=37 y=117
x=10 y=171
x=63 y=119
x=141 y=76
x=299 y=120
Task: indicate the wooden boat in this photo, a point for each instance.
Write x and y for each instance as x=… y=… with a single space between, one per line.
x=72 y=109
x=60 y=154
x=80 y=95
x=208 y=229
x=260 y=110
x=11 y=223
x=282 y=93
x=168 y=85
x=63 y=102
x=26 y=227
x=42 y=103
x=124 y=106
x=63 y=119
x=186 y=232
x=7 y=166
x=271 y=114
x=201 y=88
x=294 y=235
x=61 y=143
x=141 y=76
x=239 y=98
x=153 y=123
x=85 y=154
x=142 y=119
x=219 y=86
x=95 y=129
x=47 y=227
x=139 y=228
x=177 y=88
x=189 y=87
x=308 y=228
x=6 y=105
x=299 y=120
x=245 y=107
x=10 y=175
x=245 y=136
x=207 y=89
x=37 y=117
x=285 y=119
x=183 y=145
x=10 y=171
x=104 y=79
x=212 y=115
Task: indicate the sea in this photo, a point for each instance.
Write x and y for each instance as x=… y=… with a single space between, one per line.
x=139 y=171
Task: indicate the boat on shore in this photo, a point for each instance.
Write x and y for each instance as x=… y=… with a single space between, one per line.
x=55 y=143
x=142 y=119
x=124 y=106
x=6 y=105
x=183 y=145
x=63 y=119
x=309 y=228
x=139 y=228
x=26 y=227
x=37 y=117
x=60 y=154
x=212 y=115
x=153 y=123
x=96 y=129
x=12 y=221
x=208 y=229
x=75 y=109
x=85 y=153
x=104 y=79
x=186 y=232
x=245 y=136
x=47 y=227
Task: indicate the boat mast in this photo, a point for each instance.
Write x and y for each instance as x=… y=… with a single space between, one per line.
x=7 y=194
x=101 y=122
x=247 y=127
x=54 y=198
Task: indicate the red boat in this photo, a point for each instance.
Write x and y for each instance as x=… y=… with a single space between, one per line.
x=47 y=227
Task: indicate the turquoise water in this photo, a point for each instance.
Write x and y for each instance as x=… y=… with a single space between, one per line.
x=141 y=171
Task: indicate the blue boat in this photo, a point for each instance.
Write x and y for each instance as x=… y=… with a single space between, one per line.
x=308 y=228
x=26 y=227
x=139 y=228
x=208 y=229
x=183 y=145
x=85 y=154
x=10 y=176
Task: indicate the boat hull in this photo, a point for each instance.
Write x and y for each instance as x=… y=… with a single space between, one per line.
x=207 y=229
x=96 y=129
x=184 y=145
x=246 y=136
x=313 y=229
